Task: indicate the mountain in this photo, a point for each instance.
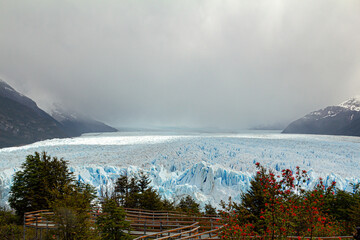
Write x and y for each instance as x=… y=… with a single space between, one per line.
x=22 y=122
x=76 y=124
x=8 y=92
x=343 y=119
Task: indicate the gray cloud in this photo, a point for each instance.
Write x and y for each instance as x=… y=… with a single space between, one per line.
x=209 y=63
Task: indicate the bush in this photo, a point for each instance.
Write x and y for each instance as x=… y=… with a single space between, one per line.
x=8 y=227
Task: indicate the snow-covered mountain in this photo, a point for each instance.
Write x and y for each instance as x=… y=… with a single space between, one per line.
x=209 y=167
x=343 y=119
x=76 y=124
x=353 y=104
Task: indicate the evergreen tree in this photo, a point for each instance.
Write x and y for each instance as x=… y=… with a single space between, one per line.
x=167 y=205
x=187 y=204
x=253 y=201
x=122 y=189
x=144 y=182
x=209 y=209
x=111 y=222
x=151 y=200
x=133 y=198
x=32 y=187
x=148 y=197
x=137 y=193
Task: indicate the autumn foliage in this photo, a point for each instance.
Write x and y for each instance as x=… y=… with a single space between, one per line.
x=277 y=206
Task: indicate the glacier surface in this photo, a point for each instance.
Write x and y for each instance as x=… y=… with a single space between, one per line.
x=209 y=167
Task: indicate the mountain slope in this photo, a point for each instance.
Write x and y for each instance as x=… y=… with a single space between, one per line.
x=353 y=129
x=8 y=92
x=75 y=124
x=343 y=119
x=23 y=122
x=20 y=124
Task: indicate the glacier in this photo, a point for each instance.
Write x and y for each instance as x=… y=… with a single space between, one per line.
x=209 y=167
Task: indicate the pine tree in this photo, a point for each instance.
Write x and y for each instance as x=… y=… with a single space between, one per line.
x=144 y=182
x=137 y=193
x=122 y=189
x=253 y=201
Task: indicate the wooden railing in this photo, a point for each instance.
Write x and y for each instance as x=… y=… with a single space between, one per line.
x=174 y=233
x=211 y=233
x=39 y=219
x=148 y=224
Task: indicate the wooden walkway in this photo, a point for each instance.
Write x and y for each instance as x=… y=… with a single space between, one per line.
x=171 y=225
x=144 y=224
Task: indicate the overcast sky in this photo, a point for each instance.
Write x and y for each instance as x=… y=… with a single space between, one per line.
x=195 y=63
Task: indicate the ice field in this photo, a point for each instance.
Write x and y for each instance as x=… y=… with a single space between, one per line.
x=209 y=167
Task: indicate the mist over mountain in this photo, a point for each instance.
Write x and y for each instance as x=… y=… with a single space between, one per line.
x=76 y=124
x=23 y=122
x=230 y=64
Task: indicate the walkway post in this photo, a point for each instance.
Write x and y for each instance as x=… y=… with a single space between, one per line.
x=36 y=226
x=47 y=226
x=24 y=226
x=145 y=227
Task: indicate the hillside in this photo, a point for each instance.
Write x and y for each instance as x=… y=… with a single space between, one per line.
x=75 y=124
x=23 y=122
x=343 y=119
x=20 y=124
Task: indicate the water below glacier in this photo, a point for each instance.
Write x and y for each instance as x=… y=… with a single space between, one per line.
x=208 y=166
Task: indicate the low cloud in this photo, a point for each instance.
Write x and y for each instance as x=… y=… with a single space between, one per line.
x=227 y=64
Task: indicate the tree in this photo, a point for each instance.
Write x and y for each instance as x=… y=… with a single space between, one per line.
x=32 y=187
x=209 y=209
x=136 y=192
x=148 y=197
x=253 y=201
x=111 y=222
x=143 y=182
x=72 y=209
x=285 y=208
x=133 y=197
x=121 y=189
x=187 y=204
x=344 y=207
